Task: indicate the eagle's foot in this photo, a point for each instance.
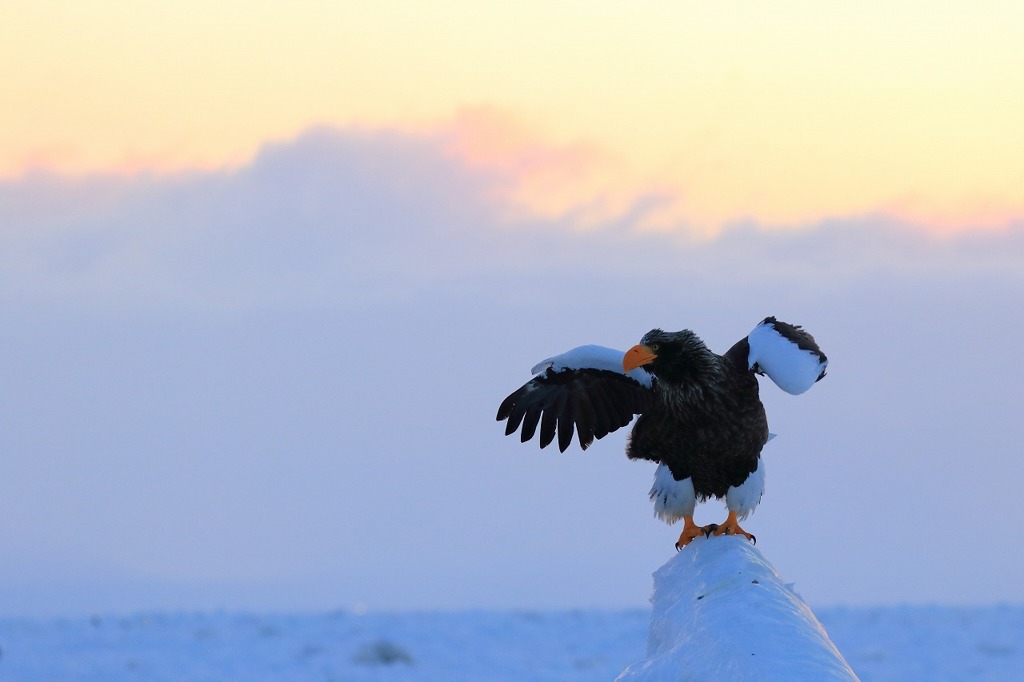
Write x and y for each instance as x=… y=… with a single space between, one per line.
x=690 y=531
x=732 y=527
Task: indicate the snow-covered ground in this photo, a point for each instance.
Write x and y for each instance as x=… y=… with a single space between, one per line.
x=890 y=643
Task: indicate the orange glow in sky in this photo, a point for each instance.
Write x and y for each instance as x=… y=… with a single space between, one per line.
x=783 y=114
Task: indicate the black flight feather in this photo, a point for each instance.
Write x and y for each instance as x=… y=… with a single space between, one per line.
x=591 y=402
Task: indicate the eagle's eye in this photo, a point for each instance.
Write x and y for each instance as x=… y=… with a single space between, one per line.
x=655 y=347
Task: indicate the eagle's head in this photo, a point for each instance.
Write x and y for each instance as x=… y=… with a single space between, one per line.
x=675 y=358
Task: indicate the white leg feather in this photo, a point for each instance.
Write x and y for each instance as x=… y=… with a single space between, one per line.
x=672 y=499
x=743 y=498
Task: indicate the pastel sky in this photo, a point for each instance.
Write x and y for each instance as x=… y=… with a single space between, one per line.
x=266 y=272
x=781 y=114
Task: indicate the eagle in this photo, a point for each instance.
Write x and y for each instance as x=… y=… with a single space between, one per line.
x=700 y=414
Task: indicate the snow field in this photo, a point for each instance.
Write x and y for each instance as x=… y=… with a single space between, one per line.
x=903 y=643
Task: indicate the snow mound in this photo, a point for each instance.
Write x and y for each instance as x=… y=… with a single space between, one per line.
x=722 y=612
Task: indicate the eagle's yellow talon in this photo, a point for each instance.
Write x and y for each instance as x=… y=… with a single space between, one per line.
x=731 y=526
x=690 y=531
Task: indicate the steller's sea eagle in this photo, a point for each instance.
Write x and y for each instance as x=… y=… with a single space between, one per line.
x=700 y=418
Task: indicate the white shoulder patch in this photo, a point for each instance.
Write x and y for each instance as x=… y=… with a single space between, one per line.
x=792 y=368
x=591 y=357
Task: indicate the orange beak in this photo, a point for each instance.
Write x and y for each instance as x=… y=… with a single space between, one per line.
x=637 y=356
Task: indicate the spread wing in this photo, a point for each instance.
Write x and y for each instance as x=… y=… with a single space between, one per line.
x=785 y=352
x=584 y=390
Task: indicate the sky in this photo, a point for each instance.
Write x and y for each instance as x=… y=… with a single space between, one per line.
x=267 y=272
x=783 y=114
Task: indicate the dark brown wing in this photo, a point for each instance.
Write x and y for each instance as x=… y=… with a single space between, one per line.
x=593 y=401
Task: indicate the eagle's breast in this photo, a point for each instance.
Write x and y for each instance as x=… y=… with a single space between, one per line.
x=712 y=432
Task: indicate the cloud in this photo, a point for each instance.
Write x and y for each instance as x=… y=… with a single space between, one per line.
x=329 y=204
x=342 y=213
